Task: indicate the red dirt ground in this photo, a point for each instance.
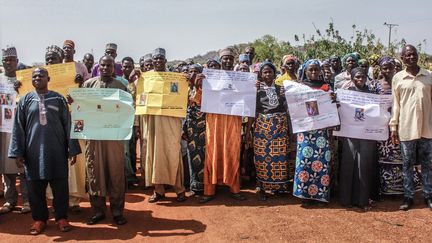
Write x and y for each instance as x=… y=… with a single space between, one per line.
x=226 y=220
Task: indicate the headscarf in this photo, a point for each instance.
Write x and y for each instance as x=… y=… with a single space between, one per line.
x=386 y=60
x=352 y=55
x=305 y=65
x=197 y=67
x=325 y=62
x=289 y=58
x=266 y=63
x=334 y=57
x=256 y=67
x=212 y=60
x=243 y=65
x=356 y=70
x=244 y=58
x=226 y=52
x=181 y=64
x=374 y=59
x=357 y=55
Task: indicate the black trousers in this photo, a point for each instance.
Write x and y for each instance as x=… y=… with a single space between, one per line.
x=38 y=202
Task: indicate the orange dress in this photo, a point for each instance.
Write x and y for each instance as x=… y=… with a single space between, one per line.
x=222 y=159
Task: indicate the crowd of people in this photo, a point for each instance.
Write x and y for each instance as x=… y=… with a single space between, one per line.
x=192 y=156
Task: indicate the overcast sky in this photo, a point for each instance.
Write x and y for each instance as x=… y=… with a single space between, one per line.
x=186 y=28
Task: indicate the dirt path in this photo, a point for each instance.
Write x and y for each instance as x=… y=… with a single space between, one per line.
x=225 y=220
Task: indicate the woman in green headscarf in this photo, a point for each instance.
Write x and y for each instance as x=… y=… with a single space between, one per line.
x=349 y=61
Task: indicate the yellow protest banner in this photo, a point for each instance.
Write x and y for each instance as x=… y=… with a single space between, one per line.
x=162 y=93
x=62 y=77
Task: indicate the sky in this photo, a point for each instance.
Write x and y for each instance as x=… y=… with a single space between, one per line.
x=186 y=28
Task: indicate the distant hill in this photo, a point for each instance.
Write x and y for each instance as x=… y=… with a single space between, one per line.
x=201 y=59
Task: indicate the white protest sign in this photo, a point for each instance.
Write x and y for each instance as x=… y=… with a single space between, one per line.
x=309 y=109
x=363 y=115
x=229 y=93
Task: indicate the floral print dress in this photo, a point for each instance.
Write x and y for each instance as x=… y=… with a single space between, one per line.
x=313 y=160
x=312 y=172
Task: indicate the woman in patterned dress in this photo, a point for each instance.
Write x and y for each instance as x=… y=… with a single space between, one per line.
x=270 y=136
x=194 y=131
x=312 y=172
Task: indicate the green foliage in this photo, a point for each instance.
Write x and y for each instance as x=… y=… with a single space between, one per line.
x=321 y=46
x=330 y=42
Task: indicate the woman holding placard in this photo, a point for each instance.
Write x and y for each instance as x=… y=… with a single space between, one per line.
x=312 y=172
x=358 y=162
x=270 y=136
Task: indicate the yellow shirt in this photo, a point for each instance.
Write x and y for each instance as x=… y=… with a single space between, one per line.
x=412 y=105
x=286 y=76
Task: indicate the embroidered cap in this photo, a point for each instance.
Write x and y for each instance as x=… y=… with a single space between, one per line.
x=10 y=51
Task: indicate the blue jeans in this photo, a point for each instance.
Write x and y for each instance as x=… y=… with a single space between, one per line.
x=422 y=150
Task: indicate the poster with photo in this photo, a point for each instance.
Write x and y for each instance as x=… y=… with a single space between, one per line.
x=7 y=107
x=363 y=115
x=309 y=109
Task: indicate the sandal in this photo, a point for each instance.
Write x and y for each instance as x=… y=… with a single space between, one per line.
x=37 y=227
x=262 y=195
x=238 y=196
x=25 y=208
x=156 y=197
x=206 y=199
x=64 y=225
x=6 y=208
x=181 y=197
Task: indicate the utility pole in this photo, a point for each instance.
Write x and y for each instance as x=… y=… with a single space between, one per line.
x=390 y=26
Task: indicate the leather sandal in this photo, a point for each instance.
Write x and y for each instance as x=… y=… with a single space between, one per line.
x=96 y=219
x=37 y=227
x=6 y=208
x=64 y=225
x=181 y=197
x=156 y=197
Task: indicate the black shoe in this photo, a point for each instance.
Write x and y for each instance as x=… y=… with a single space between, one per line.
x=407 y=204
x=95 y=219
x=120 y=220
x=156 y=197
x=428 y=202
x=181 y=197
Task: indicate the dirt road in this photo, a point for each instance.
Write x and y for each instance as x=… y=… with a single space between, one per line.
x=226 y=220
